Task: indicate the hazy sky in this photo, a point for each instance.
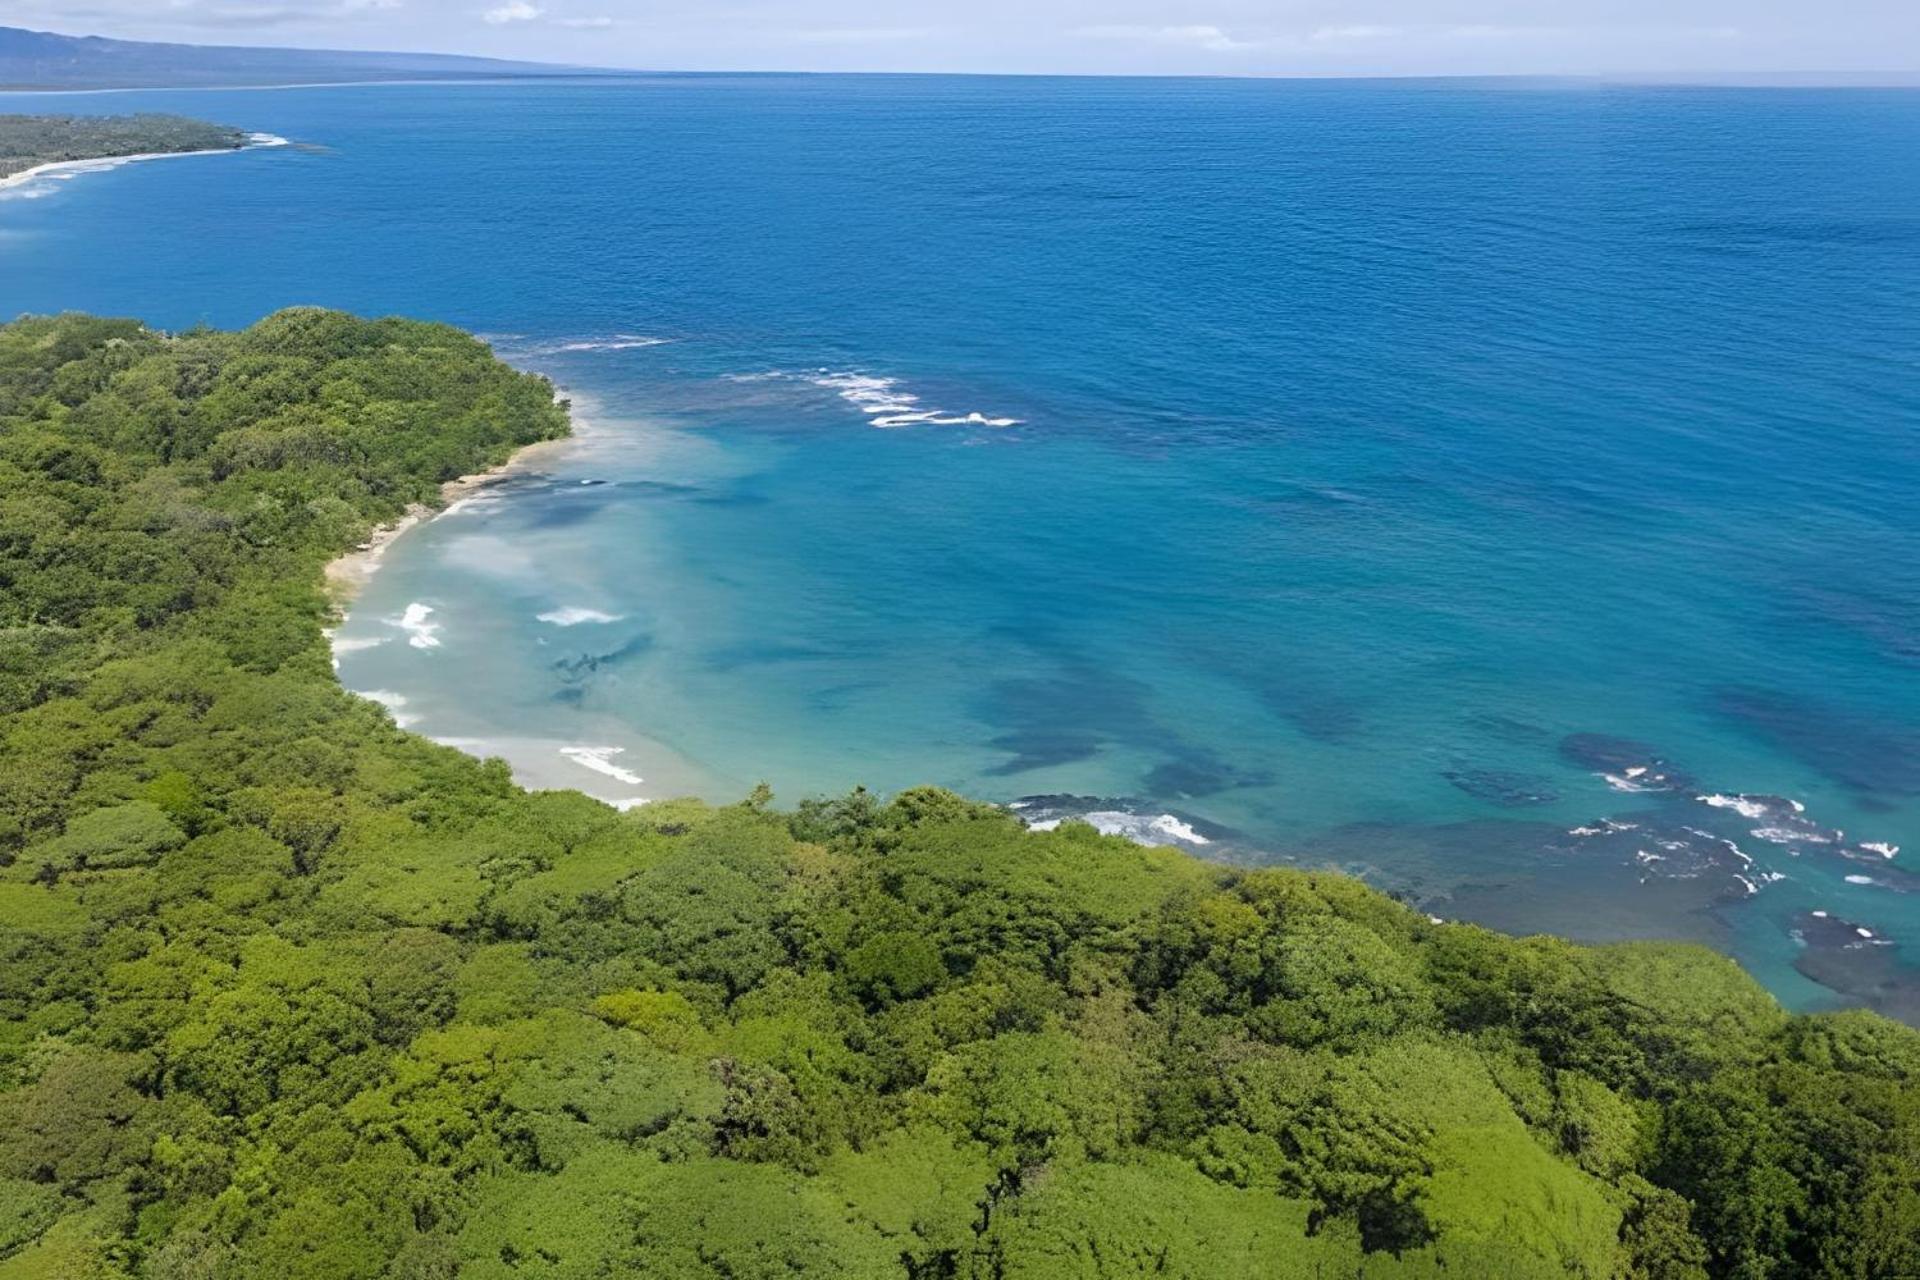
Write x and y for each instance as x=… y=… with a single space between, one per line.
x=1230 y=37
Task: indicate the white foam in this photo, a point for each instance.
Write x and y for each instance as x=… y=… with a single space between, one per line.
x=1118 y=822
x=600 y=760
x=354 y=644
x=1787 y=835
x=1619 y=783
x=1747 y=807
x=1861 y=880
x=1133 y=826
x=1880 y=847
x=887 y=405
x=1863 y=932
x=1167 y=824
x=1733 y=848
x=618 y=342
x=1752 y=888
x=470 y=504
x=421 y=634
x=576 y=615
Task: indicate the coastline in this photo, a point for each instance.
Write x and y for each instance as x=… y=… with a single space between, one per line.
x=604 y=758
x=97 y=164
x=347 y=575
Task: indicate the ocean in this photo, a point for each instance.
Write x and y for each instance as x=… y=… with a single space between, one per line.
x=1508 y=491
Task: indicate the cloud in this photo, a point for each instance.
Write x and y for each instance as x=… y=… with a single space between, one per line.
x=1359 y=31
x=1199 y=36
x=861 y=35
x=512 y=11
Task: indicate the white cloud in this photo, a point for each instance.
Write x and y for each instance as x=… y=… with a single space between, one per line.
x=1198 y=36
x=862 y=35
x=1359 y=31
x=512 y=11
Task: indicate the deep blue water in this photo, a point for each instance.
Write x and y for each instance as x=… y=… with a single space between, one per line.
x=1394 y=461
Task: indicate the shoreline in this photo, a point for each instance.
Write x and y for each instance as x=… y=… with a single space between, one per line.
x=99 y=164
x=608 y=761
x=347 y=574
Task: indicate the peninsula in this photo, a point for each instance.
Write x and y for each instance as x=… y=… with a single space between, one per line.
x=32 y=143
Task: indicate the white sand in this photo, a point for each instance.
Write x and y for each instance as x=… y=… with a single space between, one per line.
x=68 y=169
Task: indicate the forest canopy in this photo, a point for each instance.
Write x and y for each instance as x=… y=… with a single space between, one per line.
x=287 y=992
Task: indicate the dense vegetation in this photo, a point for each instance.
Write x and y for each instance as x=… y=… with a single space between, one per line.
x=27 y=141
x=290 y=993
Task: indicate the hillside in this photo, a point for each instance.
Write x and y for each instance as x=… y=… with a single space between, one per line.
x=286 y=991
x=44 y=60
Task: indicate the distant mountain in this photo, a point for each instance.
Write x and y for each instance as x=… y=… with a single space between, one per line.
x=43 y=60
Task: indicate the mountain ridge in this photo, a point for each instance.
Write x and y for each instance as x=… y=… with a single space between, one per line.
x=49 y=60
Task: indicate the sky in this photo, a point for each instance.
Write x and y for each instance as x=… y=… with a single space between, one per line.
x=1164 y=37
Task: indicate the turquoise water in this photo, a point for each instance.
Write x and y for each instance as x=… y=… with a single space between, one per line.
x=1450 y=482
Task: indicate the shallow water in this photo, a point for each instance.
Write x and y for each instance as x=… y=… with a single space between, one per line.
x=1401 y=476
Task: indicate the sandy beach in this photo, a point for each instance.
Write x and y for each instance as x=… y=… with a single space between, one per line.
x=604 y=757
x=346 y=575
x=96 y=164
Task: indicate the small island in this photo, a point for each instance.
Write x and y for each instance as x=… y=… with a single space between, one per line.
x=29 y=143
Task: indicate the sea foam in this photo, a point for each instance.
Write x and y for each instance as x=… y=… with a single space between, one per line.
x=421 y=633
x=519 y=344
x=1160 y=829
x=886 y=404
x=575 y=615
x=600 y=760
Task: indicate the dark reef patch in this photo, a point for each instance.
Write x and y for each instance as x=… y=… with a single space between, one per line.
x=1200 y=773
x=1321 y=718
x=1039 y=749
x=1062 y=718
x=577 y=668
x=767 y=654
x=1501 y=787
x=1858 y=962
x=1861 y=752
x=1638 y=766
